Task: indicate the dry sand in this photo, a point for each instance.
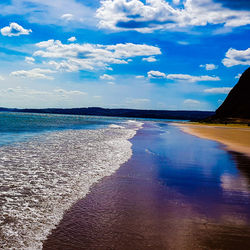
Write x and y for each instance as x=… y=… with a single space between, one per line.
x=236 y=138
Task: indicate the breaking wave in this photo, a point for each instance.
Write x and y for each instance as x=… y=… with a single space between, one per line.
x=42 y=178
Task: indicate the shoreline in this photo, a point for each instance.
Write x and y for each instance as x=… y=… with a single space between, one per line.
x=235 y=138
x=163 y=197
x=47 y=176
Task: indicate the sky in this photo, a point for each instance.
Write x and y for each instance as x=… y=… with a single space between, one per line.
x=144 y=54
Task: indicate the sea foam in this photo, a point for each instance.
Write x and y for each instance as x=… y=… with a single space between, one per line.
x=42 y=178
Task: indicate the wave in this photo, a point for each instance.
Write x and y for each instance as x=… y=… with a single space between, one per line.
x=42 y=178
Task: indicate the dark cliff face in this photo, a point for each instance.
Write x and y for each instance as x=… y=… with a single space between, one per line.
x=237 y=103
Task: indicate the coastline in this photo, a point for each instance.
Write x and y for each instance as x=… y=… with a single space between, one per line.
x=166 y=196
x=235 y=138
x=50 y=173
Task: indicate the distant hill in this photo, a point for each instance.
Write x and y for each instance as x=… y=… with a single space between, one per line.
x=135 y=113
x=237 y=103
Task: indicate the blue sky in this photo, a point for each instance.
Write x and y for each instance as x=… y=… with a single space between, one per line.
x=149 y=54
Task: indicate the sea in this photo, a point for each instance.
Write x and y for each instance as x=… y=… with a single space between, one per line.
x=88 y=182
x=48 y=162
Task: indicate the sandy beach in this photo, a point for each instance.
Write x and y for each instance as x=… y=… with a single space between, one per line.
x=235 y=138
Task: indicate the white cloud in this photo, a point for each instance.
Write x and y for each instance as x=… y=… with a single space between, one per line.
x=68 y=66
x=183 y=42
x=22 y=91
x=185 y=77
x=107 y=77
x=74 y=56
x=69 y=92
x=67 y=17
x=29 y=60
x=182 y=77
x=237 y=57
x=36 y=73
x=1 y=78
x=139 y=77
x=125 y=50
x=111 y=83
x=50 y=12
x=72 y=39
x=176 y=1
x=25 y=92
x=238 y=76
x=221 y=90
x=161 y=15
x=138 y=102
x=149 y=59
x=209 y=66
x=191 y=102
x=15 y=29
x=156 y=74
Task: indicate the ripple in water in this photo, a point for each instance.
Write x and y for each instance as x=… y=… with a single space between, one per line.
x=42 y=178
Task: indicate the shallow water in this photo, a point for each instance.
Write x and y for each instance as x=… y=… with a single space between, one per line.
x=176 y=192
x=18 y=127
x=43 y=176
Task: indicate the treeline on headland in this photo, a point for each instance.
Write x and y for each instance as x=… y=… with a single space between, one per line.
x=134 y=113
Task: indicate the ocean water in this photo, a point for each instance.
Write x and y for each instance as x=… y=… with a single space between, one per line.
x=48 y=162
x=176 y=191
x=16 y=127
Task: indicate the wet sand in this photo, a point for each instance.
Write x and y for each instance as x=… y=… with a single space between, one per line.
x=235 y=138
x=176 y=192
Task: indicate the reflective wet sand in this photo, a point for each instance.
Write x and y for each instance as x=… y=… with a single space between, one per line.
x=234 y=137
x=43 y=177
x=176 y=192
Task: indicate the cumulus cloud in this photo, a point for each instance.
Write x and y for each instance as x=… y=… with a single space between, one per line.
x=15 y=29
x=209 y=66
x=149 y=59
x=150 y=15
x=72 y=39
x=236 y=57
x=221 y=90
x=67 y=17
x=156 y=74
x=36 y=73
x=107 y=77
x=29 y=60
x=139 y=77
x=182 y=77
x=190 y=78
x=74 y=57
